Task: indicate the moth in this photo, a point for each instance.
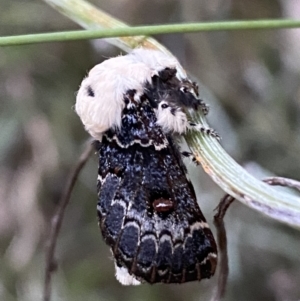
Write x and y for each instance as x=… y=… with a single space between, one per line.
x=134 y=107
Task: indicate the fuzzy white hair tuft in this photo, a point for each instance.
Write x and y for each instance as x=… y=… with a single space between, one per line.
x=175 y=122
x=124 y=277
x=109 y=82
x=156 y=60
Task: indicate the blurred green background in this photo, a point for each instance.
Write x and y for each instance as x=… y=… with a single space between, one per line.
x=249 y=78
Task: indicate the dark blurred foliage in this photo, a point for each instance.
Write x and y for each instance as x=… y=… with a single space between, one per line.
x=250 y=79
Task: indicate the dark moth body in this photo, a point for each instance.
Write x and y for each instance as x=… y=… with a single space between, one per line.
x=147 y=208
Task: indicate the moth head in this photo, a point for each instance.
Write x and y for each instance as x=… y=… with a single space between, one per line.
x=171 y=118
x=183 y=92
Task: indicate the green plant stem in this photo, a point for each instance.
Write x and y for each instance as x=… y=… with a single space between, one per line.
x=146 y=30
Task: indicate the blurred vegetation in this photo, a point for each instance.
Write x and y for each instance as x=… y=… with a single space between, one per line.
x=250 y=79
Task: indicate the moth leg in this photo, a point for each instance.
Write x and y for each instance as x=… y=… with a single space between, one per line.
x=190 y=156
x=204 y=107
x=200 y=128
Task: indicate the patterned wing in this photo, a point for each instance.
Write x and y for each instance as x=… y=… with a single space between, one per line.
x=147 y=208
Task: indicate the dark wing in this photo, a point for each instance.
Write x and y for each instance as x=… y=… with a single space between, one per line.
x=147 y=208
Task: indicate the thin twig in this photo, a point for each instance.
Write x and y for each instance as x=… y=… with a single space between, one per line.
x=221 y=232
x=56 y=221
x=222 y=243
x=283 y=182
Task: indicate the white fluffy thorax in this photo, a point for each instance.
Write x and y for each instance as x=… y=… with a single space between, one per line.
x=109 y=81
